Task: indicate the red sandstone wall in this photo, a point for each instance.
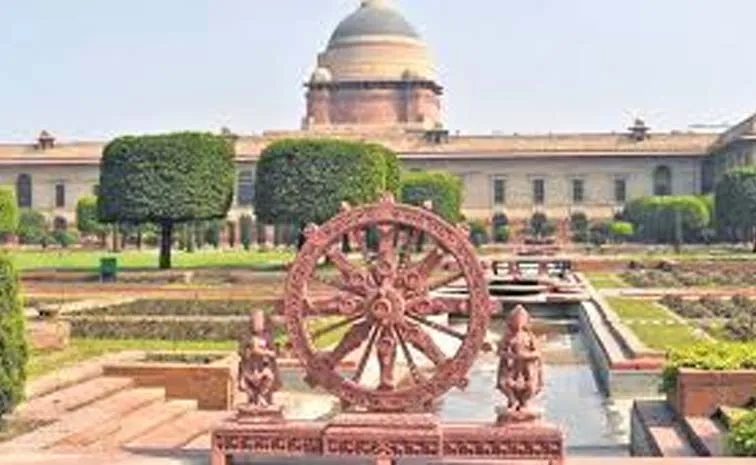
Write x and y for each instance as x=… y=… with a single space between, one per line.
x=701 y=393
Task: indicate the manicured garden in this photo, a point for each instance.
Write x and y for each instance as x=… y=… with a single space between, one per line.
x=731 y=319
x=605 y=280
x=697 y=274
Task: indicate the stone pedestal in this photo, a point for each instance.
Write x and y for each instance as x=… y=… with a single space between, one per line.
x=48 y=334
x=250 y=414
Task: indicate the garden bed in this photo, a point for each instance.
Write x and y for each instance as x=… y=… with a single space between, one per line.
x=694 y=274
x=733 y=319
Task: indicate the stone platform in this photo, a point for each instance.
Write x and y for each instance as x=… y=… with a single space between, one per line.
x=387 y=437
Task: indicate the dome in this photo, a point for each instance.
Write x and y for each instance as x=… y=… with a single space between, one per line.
x=374 y=18
x=376 y=43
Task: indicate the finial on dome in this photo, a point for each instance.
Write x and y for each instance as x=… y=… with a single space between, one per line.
x=372 y=3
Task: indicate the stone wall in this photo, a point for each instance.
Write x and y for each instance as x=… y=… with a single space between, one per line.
x=700 y=393
x=213 y=386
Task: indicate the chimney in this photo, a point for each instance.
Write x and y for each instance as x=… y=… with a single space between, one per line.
x=45 y=140
x=639 y=130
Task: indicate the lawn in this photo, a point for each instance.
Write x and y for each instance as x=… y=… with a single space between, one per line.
x=664 y=337
x=89 y=260
x=605 y=281
x=638 y=309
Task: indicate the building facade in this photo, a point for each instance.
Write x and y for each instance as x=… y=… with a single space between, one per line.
x=375 y=81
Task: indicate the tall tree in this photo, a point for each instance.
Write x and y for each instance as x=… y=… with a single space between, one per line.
x=305 y=180
x=735 y=203
x=442 y=188
x=166 y=180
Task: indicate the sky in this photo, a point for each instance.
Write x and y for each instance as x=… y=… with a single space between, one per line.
x=95 y=69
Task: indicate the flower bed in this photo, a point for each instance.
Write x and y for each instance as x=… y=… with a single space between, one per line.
x=700 y=379
x=734 y=319
x=699 y=274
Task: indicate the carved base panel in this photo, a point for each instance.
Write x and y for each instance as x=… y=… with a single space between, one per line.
x=389 y=437
x=258 y=414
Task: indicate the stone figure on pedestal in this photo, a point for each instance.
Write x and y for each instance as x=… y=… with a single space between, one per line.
x=520 y=374
x=258 y=372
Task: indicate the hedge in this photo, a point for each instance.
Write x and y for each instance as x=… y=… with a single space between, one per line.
x=302 y=181
x=172 y=307
x=172 y=328
x=32 y=227
x=735 y=204
x=442 y=188
x=13 y=347
x=714 y=356
x=655 y=218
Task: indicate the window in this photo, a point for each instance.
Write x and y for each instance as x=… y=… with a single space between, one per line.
x=539 y=191
x=578 y=191
x=60 y=195
x=620 y=191
x=662 y=181
x=24 y=190
x=246 y=189
x=499 y=192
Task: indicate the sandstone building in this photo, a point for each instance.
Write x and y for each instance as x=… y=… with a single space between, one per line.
x=375 y=81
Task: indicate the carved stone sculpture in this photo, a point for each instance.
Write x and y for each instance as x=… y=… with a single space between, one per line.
x=520 y=375
x=258 y=372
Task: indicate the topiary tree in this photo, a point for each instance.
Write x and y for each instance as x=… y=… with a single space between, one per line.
x=9 y=214
x=442 y=188
x=13 y=346
x=668 y=219
x=167 y=180
x=302 y=181
x=735 y=203
x=32 y=227
x=86 y=219
x=245 y=231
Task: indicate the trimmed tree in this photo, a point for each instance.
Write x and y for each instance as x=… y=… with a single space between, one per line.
x=166 y=180
x=13 y=347
x=9 y=214
x=735 y=204
x=302 y=181
x=32 y=227
x=440 y=187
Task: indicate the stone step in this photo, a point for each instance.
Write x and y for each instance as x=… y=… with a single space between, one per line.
x=706 y=436
x=52 y=406
x=180 y=432
x=78 y=422
x=666 y=433
x=137 y=423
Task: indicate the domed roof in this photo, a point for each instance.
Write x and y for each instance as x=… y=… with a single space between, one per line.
x=374 y=18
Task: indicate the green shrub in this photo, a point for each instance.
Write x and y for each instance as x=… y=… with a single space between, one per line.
x=245 y=231
x=598 y=232
x=171 y=328
x=13 y=347
x=212 y=233
x=621 y=230
x=86 y=217
x=714 y=356
x=442 y=188
x=579 y=226
x=32 y=227
x=9 y=214
x=741 y=439
x=478 y=232
x=65 y=238
x=735 y=203
x=501 y=234
x=655 y=218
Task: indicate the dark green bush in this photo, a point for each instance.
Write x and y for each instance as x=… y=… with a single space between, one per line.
x=65 y=238
x=741 y=439
x=245 y=231
x=32 y=227
x=579 y=226
x=713 y=356
x=442 y=188
x=735 y=203
x=478 y=232
x=306 y=180
x=13 y=346
x=501 y=234
x=655 y=218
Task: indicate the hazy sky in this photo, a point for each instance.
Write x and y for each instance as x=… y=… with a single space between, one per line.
x=97 y=68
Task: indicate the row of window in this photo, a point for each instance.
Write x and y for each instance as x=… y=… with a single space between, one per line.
x=662 y=186
x=24 y=192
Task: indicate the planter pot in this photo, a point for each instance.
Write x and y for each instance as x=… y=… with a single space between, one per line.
x=699 y=393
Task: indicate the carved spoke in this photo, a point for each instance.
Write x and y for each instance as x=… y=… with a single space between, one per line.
x=365 y=356
x=446 y=280
x=353 y=276
x=429 y=263
x=350 y=342
x=337 y=305
x=357 y=290
x=439 y=327
x=422 y=341
x=385 y=265
x=386 y=351
x=414 y=370
x=334 y=326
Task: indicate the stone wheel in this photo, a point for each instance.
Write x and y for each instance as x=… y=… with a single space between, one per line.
x=383 y=310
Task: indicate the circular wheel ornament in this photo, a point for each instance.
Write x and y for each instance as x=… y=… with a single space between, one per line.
x=382 y=318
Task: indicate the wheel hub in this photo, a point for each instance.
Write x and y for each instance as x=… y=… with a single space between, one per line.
x=388 y=307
